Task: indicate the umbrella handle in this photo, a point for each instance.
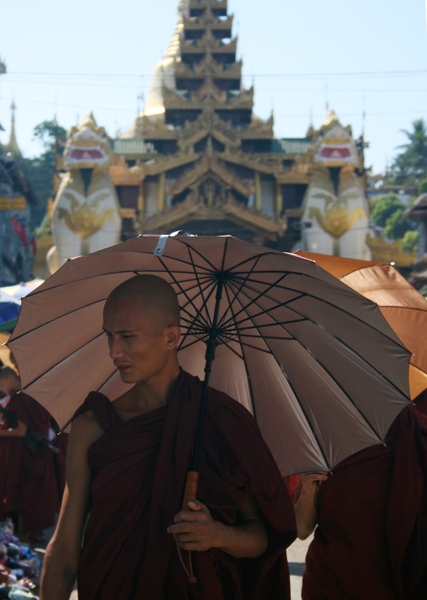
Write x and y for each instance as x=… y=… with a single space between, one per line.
x=191 y=486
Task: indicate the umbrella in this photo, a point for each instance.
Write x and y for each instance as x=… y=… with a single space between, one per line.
x=315 y=362
x=404 y=308
x=9 y=311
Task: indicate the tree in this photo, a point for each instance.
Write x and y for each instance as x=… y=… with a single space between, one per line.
x=410 y=166
x=39 y=170
x=396 y=227
x=422 y=187
x=383 y=207
x=410 y=241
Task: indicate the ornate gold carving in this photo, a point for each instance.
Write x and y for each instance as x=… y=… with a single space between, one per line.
x=336 y=218
x=205 y=165
x=202 y=207
x=122 y=174
x=195 y=23
x=85 y=219
x=208 y=40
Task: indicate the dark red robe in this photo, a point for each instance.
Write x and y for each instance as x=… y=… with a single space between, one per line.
x=371 y=539
x=139 y=469
x=27 y=479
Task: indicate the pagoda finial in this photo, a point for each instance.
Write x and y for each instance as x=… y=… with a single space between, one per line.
x=331 y=119
x=13 y=144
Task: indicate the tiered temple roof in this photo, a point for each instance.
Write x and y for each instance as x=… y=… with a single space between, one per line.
x=197 y=157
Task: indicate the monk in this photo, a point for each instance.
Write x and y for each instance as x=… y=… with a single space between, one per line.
x=28 y=490
x=371 y=515
x=126 y=465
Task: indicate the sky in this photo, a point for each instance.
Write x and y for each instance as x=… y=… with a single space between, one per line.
x=367 y=59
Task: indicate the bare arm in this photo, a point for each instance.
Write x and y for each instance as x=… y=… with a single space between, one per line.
x=20 y=431
x=62 y=554
x=305 y=502
x=195 y=529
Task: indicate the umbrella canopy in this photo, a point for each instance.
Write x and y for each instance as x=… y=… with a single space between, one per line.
x=403 y=307
x=315 y=363
x=9 y=311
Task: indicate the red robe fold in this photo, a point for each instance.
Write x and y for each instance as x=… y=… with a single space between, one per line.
x=139 y=469
x=371 y=539
x=27 y=479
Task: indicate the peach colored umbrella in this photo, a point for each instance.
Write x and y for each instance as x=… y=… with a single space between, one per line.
x=403 y=307
x=316 y=363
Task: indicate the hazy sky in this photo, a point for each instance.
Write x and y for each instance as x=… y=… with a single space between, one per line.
x=356 y=55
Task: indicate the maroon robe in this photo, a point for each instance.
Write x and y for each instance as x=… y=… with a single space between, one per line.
x=27 y=479
x=139 y=469
x=371 y=539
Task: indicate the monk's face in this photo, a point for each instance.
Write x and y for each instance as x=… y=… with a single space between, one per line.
x=8 y=385
x=139 y=348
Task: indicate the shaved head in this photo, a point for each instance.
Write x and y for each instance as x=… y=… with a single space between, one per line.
x=150 y=296
x=7 y=372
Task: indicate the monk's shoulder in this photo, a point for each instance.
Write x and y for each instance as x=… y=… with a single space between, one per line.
x=221 y=407
x=86 y=428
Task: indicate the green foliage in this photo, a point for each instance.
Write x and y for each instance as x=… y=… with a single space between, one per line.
x=39 y=170
x=395 y=227
x=422 y=187
x=410 y=241
x=383 y=207
x=410 y=167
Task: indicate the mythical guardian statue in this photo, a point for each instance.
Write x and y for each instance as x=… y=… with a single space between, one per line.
x=335 y=217
x=86 y=213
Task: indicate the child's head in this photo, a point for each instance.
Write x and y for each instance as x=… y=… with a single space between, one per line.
x=10 y=382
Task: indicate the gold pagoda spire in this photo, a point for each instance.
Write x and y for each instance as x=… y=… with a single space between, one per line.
x=164 y=72
x=13 y=144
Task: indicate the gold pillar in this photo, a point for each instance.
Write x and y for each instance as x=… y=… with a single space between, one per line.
x=278 y=201
x=161 y=193
x=258 y=198
x=141 y=201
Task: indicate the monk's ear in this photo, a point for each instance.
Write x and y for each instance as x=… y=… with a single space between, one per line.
x=173 y=336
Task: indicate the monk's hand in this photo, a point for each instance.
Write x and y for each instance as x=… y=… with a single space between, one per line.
x=195 y=529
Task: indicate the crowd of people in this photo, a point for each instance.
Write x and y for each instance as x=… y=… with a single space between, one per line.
x=123 y=529
x=32 y=459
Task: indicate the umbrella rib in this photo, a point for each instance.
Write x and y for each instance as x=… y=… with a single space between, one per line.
x=190 y=301
x=192 y=249
x=184 y=347
x=80 y=307
x=260 y=294
x=279 y=364
x=39 y=291
x=64 y=358
x=335 y=306
x=318 y=360
x=223 y=321
x=99 y=387
x=251 y=394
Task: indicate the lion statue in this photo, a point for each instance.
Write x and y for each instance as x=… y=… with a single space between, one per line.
x=86 y=212
x=335 y=218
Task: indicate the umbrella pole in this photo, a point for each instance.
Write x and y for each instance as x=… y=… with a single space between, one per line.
x=191 y=483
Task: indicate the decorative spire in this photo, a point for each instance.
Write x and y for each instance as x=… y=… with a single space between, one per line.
x=2 y=72
x=13 y=144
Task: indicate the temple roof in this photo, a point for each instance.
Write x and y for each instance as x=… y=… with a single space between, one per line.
x=292 y=145
x=133 y=146
x=419 y=209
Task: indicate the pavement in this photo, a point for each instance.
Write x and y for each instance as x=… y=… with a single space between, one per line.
x=296 y=559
